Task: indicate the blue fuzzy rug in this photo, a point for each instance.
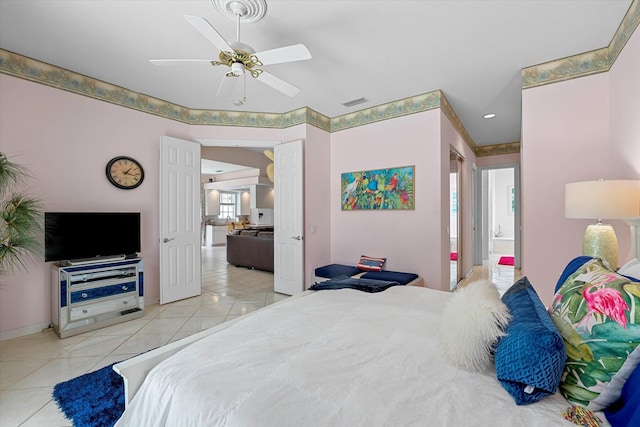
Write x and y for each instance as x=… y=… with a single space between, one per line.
x=95 y=399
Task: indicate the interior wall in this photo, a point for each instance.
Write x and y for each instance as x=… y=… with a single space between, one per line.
x=624 y=129
x=577 y=130
x=66 y=140
x=317 y=206
x=414 y=241
x=565 y=129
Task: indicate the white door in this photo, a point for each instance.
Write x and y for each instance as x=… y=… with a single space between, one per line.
x=179 y=219
x=288 y=275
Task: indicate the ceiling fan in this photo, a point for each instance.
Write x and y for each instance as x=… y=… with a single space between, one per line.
x=240 y=57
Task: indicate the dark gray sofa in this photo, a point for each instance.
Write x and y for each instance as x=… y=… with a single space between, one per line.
x=251 y=249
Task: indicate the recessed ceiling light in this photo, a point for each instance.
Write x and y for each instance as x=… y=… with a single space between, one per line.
x=489 y=116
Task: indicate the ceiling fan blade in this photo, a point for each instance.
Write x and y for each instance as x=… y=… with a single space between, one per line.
x=207 y=30
x=296 y=52
x=278 y=84
x=225 y=90
x=163 y=62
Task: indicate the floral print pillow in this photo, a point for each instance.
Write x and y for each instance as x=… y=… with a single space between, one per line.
x=598 y=315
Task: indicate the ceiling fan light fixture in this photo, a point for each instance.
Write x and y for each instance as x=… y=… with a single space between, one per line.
x=237 y=69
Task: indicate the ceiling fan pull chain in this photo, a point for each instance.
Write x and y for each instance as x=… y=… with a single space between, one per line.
x=238 y=27
x=244 y=88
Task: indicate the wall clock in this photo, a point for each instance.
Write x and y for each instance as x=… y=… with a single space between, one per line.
x=125 y=172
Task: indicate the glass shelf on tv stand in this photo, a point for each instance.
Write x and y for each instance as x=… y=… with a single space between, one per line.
x=96 y=260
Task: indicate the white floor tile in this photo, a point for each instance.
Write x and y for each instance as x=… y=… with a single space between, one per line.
x=57 y=370
x=13 y=371
x=18 y=405
x=97 y=345
x=30 y=366
x=49 y=416
x=140 y=343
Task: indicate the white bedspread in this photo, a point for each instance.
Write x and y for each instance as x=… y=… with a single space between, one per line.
x=331 y=358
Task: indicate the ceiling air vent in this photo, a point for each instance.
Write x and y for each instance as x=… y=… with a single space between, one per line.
x=355 y=102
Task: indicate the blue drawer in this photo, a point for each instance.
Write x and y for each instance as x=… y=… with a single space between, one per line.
x=105 y=291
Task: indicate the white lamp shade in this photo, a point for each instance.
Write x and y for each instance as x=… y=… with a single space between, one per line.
x=602 y=199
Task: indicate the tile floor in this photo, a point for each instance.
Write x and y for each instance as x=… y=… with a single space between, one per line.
x=31 y=365
x=502 y=275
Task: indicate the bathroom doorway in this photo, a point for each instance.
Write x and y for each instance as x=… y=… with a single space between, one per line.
x=497 y=235
x=455 y=219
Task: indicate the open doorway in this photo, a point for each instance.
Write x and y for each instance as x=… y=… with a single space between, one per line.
x=237 y=215
x=274 y=222
x=497 y=235
x=455 y=219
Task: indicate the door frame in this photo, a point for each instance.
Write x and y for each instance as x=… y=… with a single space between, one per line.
x=246 y=143
x=481 y=194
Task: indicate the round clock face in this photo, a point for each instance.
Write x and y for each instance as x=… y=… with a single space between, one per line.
x=125 y=172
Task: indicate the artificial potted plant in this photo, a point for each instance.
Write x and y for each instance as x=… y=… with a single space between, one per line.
x=20 y=218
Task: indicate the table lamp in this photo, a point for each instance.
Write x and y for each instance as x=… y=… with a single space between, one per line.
x=600 y=200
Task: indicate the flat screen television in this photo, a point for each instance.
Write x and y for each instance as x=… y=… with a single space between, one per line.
x=83 y=236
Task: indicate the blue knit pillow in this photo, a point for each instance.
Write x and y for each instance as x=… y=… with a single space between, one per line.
x=530 y=357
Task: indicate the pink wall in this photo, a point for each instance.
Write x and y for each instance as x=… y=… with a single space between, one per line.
x=66 y=140
x=624 y=110
x=317 y=209
x=410 y=240
x=624 y=129
x=565 y=129
x=577 y=130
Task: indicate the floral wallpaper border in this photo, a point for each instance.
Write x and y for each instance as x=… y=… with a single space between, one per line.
x=494 y=150
x=584 y=64
x=40 y=72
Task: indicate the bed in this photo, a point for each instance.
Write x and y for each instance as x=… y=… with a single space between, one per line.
x=328 y=358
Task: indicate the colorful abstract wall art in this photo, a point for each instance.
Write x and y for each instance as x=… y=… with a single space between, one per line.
x=378 y=189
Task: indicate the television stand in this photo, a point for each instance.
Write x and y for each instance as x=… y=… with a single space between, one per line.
x=89 y=296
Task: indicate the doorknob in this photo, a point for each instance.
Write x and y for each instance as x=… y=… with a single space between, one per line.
x=296 y=237
x=165 y=240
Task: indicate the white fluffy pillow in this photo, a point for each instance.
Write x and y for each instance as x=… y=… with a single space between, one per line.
x=472 y=322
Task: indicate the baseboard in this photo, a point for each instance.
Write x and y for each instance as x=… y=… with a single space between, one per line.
x=21 y=332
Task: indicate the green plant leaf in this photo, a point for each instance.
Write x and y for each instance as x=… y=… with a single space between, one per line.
x=578 y=394
x=21 y=218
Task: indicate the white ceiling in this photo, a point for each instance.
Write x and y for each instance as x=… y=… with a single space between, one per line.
x=382 y=50
x=214 y=167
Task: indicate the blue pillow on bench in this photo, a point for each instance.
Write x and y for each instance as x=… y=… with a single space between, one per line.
x=335 y=270
x=346 y=282
x=390 y=276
